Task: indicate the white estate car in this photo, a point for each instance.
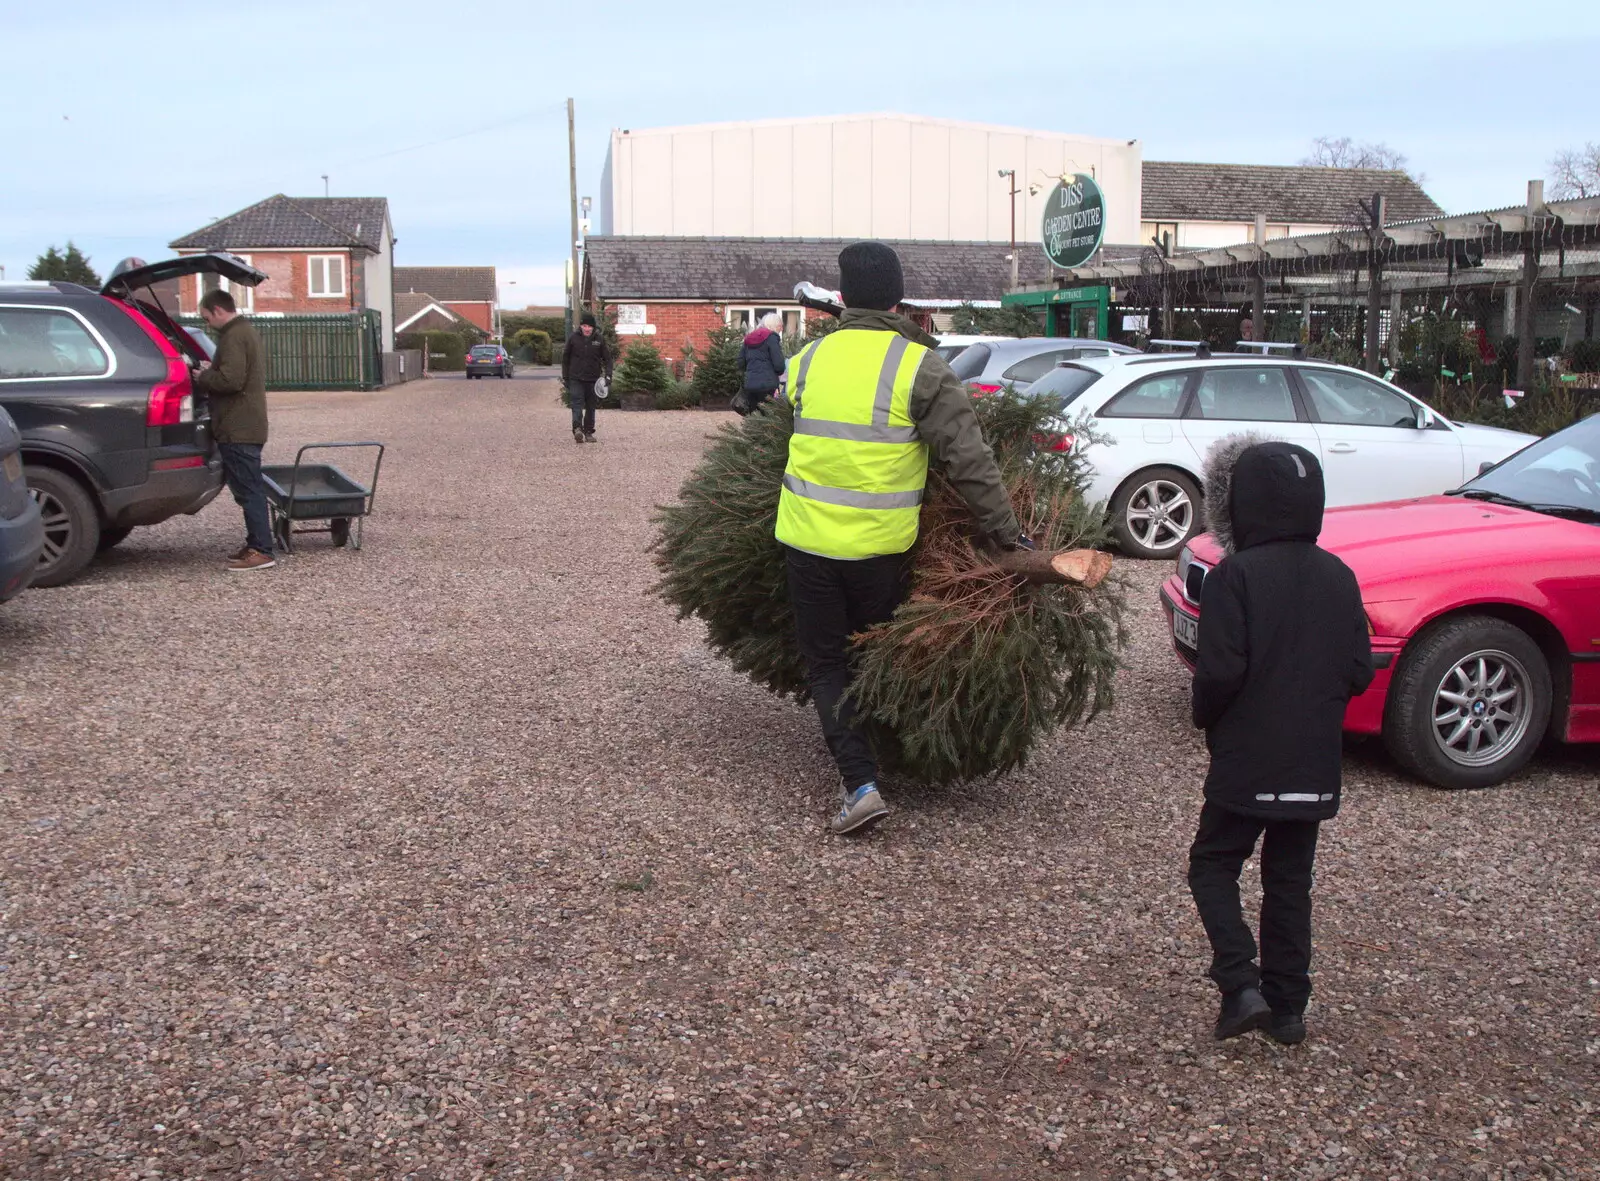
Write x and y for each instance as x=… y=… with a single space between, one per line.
x=1161 y=413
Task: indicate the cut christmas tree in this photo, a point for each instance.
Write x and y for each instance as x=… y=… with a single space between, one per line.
x=992 y=652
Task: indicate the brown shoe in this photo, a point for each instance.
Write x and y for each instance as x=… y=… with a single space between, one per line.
x=253 y=559
x=239 y=554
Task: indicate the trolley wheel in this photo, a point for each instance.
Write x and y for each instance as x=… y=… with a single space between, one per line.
x=339 y=527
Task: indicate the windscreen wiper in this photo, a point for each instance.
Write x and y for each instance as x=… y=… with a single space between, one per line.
x=1573 y=512
x=1491 y=496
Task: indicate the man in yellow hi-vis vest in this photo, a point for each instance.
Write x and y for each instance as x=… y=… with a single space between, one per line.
x=871 y=401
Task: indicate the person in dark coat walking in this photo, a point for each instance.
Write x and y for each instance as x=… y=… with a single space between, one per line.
x=761 y=363
x=584 y=358
x=1283 y=647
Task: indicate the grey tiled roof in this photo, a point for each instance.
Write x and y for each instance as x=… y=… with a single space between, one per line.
x=768 y=268
x=1175 y=191
x=450 y=284
x=295 y=222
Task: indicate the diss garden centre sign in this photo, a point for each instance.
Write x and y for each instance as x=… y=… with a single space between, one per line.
x=1074 y=221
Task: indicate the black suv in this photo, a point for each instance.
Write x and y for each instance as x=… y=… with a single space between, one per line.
x=113 y=436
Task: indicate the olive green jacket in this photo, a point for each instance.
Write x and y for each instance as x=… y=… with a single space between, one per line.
x=941 y=408
x=237 y=385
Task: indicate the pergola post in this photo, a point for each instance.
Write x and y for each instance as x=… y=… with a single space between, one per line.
x=1530 y=276
x=1375 y=286
x=1259 y=294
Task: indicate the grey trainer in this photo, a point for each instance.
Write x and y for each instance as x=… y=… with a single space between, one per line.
x=862 y=809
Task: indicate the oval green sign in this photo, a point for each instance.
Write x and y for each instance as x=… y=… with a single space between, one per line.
x=1074 y=221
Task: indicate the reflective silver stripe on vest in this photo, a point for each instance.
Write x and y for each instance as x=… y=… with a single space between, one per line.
x=1297 y=797
x=855 y=432
x=800 y=377
x=891 y=366
x=849 y=498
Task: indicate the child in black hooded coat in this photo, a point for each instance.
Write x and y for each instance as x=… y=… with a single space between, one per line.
x=1283 y=647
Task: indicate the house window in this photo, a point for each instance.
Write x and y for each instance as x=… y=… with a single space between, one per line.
x=244 y=298
x=747 y=318
x=327 y=275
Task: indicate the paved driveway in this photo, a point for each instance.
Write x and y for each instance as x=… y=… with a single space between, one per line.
x=460 y=857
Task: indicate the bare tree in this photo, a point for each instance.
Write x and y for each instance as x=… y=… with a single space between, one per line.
x=1344 y=152
x=1576 y=173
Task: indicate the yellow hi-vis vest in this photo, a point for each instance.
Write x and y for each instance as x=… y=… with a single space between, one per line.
x=857 y=468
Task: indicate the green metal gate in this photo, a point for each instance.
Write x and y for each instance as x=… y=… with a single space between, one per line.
x=320 y=352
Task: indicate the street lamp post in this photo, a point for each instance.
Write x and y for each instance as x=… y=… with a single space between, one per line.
x=1011 y=173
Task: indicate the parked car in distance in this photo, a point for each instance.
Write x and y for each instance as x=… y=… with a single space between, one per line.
x=99 y=384
x=1020 y=361
x=952 y=345
x=1484 y=608
x=489 y=358
x=21 y=525
x=1160 y=414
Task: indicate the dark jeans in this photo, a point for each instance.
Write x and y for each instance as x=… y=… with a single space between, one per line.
x=241 y=468
x=581 y=394
x=1219 y=852
x=754 y=399
x=832 y=601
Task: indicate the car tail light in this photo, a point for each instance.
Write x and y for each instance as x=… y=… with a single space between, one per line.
x=979 y=388
x=172 y=400
x=1054 y=441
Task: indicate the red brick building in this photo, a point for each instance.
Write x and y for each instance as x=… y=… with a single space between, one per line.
x=321 y=255
x=675 y=290
x=468 y=292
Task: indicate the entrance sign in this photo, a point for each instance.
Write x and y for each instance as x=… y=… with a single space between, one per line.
x=1074 y=221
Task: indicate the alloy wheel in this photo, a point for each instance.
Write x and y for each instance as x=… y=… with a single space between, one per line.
x=1482 y=708
x=57 y=527
x=1160 y=515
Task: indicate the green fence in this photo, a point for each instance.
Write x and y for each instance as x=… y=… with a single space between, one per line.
x=320 y=352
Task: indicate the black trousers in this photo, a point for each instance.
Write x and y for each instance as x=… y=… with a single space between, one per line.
x=1225 y=840
x=833 y=600
x=581 y=395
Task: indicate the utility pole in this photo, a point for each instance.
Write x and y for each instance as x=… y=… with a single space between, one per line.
x=1012 y=173
x=1375 y=285
x=572 y=243
x=1530 y=276
x=1165 y=243
x=1260 y=291
x=324 y=184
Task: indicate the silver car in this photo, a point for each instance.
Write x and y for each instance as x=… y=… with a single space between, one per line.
x=1021 y=362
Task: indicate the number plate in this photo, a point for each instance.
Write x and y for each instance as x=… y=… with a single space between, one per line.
x=12 y=467
x=1186 y=630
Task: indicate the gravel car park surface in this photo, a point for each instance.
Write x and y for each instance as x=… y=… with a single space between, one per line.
x=460 y=857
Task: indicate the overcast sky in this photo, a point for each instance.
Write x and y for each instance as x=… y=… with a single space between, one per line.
x=129 y=125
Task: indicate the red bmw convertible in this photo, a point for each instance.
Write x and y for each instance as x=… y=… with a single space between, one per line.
x=1484 y=607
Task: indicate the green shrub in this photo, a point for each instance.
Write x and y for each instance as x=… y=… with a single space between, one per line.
x=716 y=375
x=443 y=351
x=680 y=395
x=535 y=345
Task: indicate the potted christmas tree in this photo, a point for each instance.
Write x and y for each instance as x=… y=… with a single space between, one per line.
x=716 y=377
x=640 y=377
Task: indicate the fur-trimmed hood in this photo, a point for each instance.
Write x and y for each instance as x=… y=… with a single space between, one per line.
x=1260 y=489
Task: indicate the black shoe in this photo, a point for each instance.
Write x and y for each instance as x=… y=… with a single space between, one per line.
x=1241 y=1012
x=1287 y=1029
x=577 y=436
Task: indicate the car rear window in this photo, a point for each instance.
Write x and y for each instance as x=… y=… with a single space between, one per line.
x=47 y=342
x=1065 y=383
x=485 y=350
x=971 y=362
x=1034 y=367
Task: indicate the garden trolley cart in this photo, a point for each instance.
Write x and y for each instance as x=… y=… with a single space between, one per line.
x=318 y=492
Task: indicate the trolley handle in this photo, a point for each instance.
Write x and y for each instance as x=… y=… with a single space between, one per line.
x=372 y=489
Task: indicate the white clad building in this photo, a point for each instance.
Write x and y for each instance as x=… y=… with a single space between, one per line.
x=855 y=176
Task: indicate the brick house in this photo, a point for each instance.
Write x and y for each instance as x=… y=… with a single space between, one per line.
x=469 y=292
x=321 y=255
x=678 y=289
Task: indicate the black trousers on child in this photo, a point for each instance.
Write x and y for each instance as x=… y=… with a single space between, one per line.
x=1225 y=840
x=834 y=599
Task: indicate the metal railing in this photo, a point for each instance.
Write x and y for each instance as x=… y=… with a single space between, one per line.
x=320 y=352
